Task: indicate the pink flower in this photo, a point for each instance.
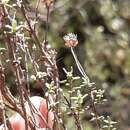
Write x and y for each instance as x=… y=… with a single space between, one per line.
x=70 y=40
x=48 y=3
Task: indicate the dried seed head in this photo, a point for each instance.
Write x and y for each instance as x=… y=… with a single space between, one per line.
x=48 y=3
x=71 y=40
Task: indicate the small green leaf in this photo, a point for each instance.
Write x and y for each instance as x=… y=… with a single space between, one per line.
x=14 y=25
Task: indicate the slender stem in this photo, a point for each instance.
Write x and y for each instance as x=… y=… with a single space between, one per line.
x=37 y=42
x=8 y=97
x=2 y=109
x=10 y=41
x=95 y=111
x=20 y=85
x=89 y=84
x=35 y=66
x=75 y=115
x=26 y=68
x=36 y=9
x=80 y=66
x=36 y=12
x=47 y=23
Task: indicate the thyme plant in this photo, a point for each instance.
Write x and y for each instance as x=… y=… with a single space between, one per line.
x=32 y=59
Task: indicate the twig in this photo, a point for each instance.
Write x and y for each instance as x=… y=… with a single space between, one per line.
x=36 y=12
x=20 y=83
x=47 y=23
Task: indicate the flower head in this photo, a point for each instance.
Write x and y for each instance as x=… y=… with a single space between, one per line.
x=70 y=40
x=48 y=3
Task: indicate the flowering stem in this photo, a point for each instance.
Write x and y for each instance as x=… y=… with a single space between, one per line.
x=80 y=66
x=89 y=84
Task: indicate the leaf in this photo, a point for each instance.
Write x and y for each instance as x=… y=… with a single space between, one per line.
x=14 y=25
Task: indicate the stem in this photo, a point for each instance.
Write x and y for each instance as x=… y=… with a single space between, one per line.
x=10 y=42
x=47 y=23
x=80 y=66
x=8 y=97
x=35 y=66
x=36 y=40
x=95 y=111
x=89 y=84
x=2 y=109
x=20 y=84
x=36 y=12
x=75 y=115
x=26 y=68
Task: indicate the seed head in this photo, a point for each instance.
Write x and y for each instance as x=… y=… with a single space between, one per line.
x=71 y=40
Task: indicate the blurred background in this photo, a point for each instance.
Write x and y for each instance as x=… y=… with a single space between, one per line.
x=103 y=29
